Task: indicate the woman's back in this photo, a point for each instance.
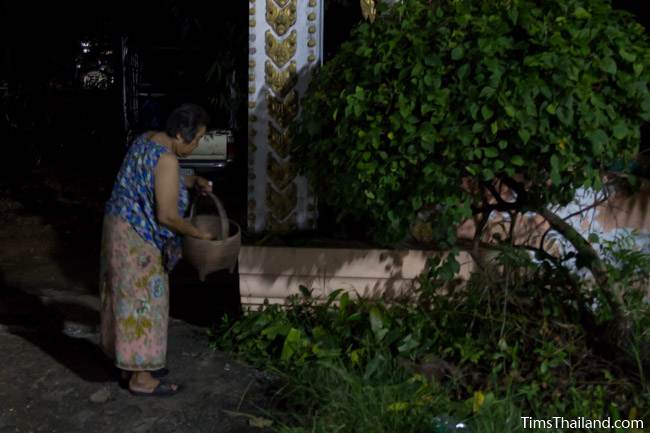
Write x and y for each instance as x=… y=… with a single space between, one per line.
x=133 y=196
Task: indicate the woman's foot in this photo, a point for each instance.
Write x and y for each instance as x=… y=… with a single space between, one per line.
x=125 y=375
x=143 y=383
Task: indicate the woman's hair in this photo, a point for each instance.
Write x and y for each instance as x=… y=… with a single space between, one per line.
x=186 y=121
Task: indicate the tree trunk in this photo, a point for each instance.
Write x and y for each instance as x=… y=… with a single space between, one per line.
x=587 y=253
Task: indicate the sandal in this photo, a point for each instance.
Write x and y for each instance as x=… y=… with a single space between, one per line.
x=162 y=390
x=162 y=372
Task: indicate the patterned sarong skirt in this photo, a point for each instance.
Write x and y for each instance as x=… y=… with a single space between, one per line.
x=134 y=290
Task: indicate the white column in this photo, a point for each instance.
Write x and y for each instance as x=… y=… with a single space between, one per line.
x=285 y=45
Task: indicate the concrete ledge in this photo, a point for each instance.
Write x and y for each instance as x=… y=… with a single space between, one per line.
x=274 y=273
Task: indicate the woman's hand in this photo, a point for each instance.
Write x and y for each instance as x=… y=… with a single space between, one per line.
x=205 y=236
x=202 y=185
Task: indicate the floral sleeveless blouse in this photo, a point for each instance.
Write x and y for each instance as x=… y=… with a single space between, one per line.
x=133 y=197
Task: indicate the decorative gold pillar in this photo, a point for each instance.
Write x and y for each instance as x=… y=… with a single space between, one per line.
x=369 y=9
x=285 y=44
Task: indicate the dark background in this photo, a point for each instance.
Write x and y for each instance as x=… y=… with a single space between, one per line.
x=187 y=49
x=62 y=143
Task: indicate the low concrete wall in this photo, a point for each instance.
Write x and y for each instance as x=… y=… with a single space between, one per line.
x=274 y=273
x=277 y=272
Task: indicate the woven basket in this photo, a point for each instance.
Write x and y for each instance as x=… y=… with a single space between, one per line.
x=214 y=255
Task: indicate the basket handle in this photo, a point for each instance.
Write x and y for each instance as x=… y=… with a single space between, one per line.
x=223 y=216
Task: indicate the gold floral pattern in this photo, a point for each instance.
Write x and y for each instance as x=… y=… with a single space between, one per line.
x=281 y=82
x=280 y=141
x=281 y=204
x=281 y=51
x=288 y=225
x=281 y=18
x=283 y=110
x=369 y=9
x=280 y=173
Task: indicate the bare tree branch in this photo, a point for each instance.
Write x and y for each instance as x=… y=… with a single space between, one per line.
x=594 y=205
x=513 y=222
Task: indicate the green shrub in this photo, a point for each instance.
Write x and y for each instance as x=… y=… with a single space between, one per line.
x=439 y=94
x=512 y=342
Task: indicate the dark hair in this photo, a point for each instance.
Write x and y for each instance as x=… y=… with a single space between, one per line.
x=186 y=121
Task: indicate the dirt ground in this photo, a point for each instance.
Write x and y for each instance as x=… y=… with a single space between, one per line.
x=53 y=378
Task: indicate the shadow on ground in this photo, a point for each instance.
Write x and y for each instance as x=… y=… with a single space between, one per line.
x=204 y=303
x=55 y=377
x=53 y=322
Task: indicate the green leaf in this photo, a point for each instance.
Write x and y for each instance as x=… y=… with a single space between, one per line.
x=544 y=367
x=581 y=13
x=598 y=140
x=510 y=110
x=486 y=112
x=594 y=238
x=457 y=53
x=377 y=323
x=408 y=344
x=551 y=108
x=488 y=174
x=399 y=406
x=503 y=144
x=462 y=71
x=645 y=104
x=608 y=65
x=620 y=130
x=524 y=135
x=517 y=160
x=555 y=177
x=290 y=344
x=627 y=56
x=344 y=302
x=473 y=110
x=555 y=163
x=487 y=92
x=565 y=114
x=491 y=152
x=404 y=109
x=416 y=202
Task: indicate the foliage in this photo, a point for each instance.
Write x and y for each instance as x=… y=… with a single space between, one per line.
x=512 y=342
x=629 y=270
x=439 y=94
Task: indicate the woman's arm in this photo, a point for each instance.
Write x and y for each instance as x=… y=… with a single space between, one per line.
x=166 y=192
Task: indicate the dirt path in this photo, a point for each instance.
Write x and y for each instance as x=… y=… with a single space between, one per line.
x=54 y=379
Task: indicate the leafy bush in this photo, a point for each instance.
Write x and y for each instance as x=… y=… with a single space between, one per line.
x=511 y=342
x=439 y=94
x=448 y=109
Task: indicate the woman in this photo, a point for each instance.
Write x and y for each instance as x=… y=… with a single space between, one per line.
x=141 y=244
